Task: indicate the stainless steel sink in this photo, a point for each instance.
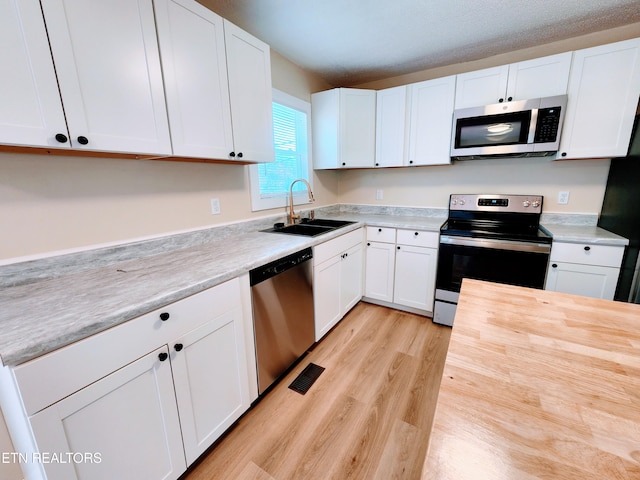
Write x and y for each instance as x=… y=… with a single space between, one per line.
x=310 y=228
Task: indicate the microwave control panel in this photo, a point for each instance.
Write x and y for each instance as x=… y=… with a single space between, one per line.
x=547 y=125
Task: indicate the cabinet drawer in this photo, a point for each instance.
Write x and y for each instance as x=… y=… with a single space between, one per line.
x=336 y=246
x=381 y=234
x=46 y=379
x=418 y=238
x=587 y=254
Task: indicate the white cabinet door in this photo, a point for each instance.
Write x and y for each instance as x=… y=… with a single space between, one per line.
x=379 y=270
x=540 y=77
x=128 y=418
x=108 y=67
x=481 y=87
x=209 y=369
x=351 y=278
x=415 y=277
x=391 y=111
x=604 y=87
x=431 y=121
x=31 y=112
x=344 y=128
x=249 y=71
x=194 y=64
x=588 y=280
x=326 y=288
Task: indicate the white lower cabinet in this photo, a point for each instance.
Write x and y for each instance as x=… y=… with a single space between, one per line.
x=337 y=279
x=588 y=270
x=401 y=267
x=155 y=414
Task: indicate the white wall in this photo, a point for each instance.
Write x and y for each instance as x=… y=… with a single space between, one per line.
x=431 y=186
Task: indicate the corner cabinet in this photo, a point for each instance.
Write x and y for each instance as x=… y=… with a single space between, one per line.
x=539 y=77
x=147 y=396
x=108 y=69
x=337 y=279
x=603 y=96
x=590 y=270
x=218 y=84
x=343 y=128
x=400 y=268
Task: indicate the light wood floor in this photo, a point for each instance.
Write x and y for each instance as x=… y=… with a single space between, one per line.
x=368 y=416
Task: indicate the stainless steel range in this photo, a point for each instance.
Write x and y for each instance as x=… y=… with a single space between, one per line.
x=490 y=237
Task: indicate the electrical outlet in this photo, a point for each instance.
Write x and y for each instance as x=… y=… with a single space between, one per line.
x=563 y=198
x=379 y=194
x=215 y=206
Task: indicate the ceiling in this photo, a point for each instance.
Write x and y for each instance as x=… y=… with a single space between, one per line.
x=348 y=42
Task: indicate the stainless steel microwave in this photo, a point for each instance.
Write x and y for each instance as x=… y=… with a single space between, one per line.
x=521 y=128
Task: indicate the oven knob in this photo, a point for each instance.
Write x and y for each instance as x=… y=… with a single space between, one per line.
x=454 y=201
x=462 y=202
x=525 y=203
x=535 y=204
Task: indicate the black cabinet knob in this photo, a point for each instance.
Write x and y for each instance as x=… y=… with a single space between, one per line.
x=509 y=99
x=398 y=248
x=377 y=164
x=501 y=100
x=239 y=154
x=410 y=162
x=164 y=316
x=368 y=244
x=416 y=234
x=555 y=265
x=178 y=347
x=587 y=248
x=232 y=154
x=379 y=230
x=163 y=356
x=563 y=154
x=83 y=140
x=344 y=163
x=62 y=138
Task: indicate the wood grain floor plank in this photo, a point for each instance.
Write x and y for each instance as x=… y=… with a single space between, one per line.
x=367 y=416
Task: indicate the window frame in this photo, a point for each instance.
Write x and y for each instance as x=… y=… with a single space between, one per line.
x=299 y=197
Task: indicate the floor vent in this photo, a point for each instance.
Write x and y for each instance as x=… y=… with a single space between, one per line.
x=307 y=377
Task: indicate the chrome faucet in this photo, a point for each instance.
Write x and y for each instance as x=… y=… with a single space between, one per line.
x=292 y=217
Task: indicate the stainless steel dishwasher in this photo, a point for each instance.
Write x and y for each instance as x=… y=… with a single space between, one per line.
x=283 y=321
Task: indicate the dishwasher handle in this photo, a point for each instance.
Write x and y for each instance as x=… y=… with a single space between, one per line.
x=271 y=269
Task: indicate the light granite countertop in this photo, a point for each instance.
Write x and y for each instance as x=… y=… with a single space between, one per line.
x=82 y=294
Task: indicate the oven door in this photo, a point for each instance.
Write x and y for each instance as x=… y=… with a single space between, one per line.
x=500 y=261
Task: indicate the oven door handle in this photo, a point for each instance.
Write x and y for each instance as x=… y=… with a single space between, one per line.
x=496 y=244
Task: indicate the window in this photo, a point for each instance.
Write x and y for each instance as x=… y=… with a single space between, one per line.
x=292 y=143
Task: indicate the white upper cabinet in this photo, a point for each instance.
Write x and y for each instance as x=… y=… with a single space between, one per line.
x=31 y=112
x=108 y=68
x=391 y=112
x=431 y=121
x=603 y=95
x=194 y=65
x=344 y=128
x=540 y=77
x=249 y=70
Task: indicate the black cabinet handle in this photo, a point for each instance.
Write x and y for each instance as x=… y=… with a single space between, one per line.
x=164 y=316
x=501 y=100
x=178 y=347
x=398 y=248
x=587 y=248
x=416 y=234
x=379 y=230
x=410 y=162
x=163 y=356
x=563 y=154
x=509 y=99
x=83 y=140
x=377 y=164
x=555 y=265
x=344 y=163
x=62 y=138
x=239 y=154
x=232 y=154
x=368 y=244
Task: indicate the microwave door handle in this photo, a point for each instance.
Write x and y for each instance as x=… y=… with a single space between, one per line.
x=532 y=126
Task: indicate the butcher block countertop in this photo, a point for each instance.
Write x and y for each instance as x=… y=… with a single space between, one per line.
x=538 y=385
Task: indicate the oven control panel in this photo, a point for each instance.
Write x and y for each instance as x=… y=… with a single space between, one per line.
x=496 y=203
